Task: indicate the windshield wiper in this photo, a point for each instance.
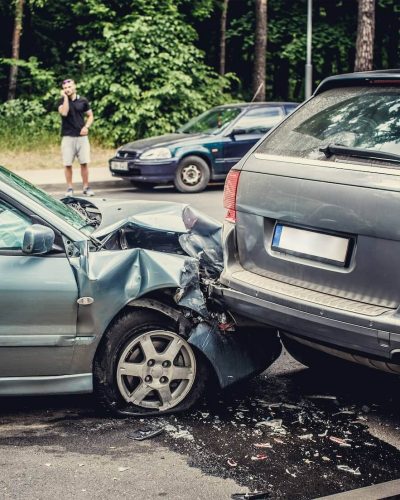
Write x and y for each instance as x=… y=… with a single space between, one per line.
x=370 y=154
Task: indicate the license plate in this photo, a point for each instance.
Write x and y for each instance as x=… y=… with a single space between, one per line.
x=119 y=165
x=311 y=244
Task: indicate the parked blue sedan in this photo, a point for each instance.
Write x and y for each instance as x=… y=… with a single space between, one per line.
x=202 y=150
x=111 y=297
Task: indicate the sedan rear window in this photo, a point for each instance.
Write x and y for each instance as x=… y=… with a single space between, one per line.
x=358 y=117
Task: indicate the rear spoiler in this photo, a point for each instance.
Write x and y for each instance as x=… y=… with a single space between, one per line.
x=366 y=78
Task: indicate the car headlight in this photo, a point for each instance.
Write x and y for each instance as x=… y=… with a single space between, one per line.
x=156 y=154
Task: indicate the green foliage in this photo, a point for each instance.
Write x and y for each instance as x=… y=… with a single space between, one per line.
x=143 y=72
x=24 y=123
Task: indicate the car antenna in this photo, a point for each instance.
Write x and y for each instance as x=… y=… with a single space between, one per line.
x=257 y=91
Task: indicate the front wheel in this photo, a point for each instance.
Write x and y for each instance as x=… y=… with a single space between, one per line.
x=144 y=366
x=192 y=175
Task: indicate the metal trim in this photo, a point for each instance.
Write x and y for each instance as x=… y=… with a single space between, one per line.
x=81 y=383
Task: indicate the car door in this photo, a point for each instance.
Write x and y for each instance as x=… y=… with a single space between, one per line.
x=38 y=306
x=249 y=129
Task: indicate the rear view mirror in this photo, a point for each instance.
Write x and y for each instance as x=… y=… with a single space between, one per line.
x=38 y=240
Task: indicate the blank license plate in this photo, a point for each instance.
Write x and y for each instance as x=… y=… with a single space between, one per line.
x=119 y=165
x=310 y=244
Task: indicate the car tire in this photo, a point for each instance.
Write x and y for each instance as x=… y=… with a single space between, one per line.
x=144 y=186
x=192 y=175
x=144 y=343
x=312 y=358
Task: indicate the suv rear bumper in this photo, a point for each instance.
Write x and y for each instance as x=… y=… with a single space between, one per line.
x=356 y=327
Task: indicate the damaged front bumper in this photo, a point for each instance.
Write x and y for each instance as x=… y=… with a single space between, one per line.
x=166 y=257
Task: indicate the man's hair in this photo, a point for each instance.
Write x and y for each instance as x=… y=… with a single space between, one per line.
x=68 y=80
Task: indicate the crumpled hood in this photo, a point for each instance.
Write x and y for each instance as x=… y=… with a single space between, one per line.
x=162 y=141
x=156 y=225
x=161 y=215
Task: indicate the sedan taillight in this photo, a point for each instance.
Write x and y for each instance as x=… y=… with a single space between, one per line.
x=230 y=190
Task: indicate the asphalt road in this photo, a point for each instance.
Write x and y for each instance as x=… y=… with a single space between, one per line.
x=282 y=433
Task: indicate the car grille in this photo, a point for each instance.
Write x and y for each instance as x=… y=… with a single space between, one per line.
x=127 y=155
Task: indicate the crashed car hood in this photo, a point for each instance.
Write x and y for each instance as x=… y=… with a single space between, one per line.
x=163 y=215
x=162 y=141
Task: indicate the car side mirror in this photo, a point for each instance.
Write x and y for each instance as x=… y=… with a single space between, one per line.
x=38 y=240
x=238 y=131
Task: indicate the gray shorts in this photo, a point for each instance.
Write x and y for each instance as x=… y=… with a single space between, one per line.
x=72 y=147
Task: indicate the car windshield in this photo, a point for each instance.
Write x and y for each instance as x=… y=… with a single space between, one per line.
x=358 y=118
x=55 y=206
x=211 y=122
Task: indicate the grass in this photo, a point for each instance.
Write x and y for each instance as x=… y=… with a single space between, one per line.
x=46 y=154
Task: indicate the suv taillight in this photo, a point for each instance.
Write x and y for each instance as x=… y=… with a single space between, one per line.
x=230 y=190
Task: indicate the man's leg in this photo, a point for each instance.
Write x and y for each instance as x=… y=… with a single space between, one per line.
x=85 y=175
x=68 y=175
x=67 y=151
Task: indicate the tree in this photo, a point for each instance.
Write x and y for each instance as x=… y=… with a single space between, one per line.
x=365 y=35
x=222 y=43
x=16 y=39
x=260 y=51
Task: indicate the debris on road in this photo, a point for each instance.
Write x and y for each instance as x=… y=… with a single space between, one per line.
x=259 y=457
x=339 y=441
x=251 y=496
x=346 y=468
x=231 y=462
x=263 y=445
x=147 y=433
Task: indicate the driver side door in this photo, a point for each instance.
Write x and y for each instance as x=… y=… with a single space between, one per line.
x=38 y=308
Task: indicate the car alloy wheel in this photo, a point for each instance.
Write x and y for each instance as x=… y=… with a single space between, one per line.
x=191 y=175
x=156 y=370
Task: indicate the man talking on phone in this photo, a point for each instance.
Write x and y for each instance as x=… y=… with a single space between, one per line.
x=76 y=120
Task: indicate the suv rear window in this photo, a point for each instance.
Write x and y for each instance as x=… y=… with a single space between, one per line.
x=357 y=117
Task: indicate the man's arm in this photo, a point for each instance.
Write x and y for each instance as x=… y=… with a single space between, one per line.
x=63 y=109
x=89 y=121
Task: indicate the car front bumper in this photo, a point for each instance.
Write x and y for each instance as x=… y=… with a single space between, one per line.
x=160 y=171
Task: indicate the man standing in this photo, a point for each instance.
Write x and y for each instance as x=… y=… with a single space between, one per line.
x=74 y=132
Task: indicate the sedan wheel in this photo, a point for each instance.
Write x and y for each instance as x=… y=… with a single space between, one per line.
x=144 y=366
x=156 y=370
x=192 y=175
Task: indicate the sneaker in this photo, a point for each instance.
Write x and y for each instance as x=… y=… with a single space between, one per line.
x=69 y=192
x=88 y=191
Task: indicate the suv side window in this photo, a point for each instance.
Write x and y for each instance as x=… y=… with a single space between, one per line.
x=12 y=227
x=259 y=120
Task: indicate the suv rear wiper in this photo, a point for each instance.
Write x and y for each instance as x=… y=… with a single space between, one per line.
x=337 y=149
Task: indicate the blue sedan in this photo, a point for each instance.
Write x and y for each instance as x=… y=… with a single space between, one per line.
x=202 y=150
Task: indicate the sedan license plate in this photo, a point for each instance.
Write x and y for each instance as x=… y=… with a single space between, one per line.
x=311 y=244
x=119 y=165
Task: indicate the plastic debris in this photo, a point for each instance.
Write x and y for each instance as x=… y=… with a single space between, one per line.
x=324 y=434
x=306 y=437
x=231 y=462
x=259 y=457
x=263 y=445
x=146 y=433
x=275 y=424
x=122 y=469
x=321 y=396
x=277 y=440
x=290 y=473
x=346 y=468
x=251 y=496
x=339 y=441
x=326 y=459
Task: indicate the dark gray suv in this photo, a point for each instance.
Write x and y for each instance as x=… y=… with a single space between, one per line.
x=312 y=232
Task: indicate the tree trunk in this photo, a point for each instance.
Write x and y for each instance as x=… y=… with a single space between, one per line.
x=222 y=43
x=260 y=51
x=365 y=35
x=19 y=9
